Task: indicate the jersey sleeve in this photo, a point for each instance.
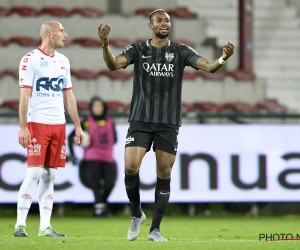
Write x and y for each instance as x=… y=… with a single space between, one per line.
x=26 y=71
x=190 y=56
x=128 y=52
x=68 y=80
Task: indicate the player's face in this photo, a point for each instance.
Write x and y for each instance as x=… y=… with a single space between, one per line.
x=97 y=108
x=161 y=24
x=59 y=36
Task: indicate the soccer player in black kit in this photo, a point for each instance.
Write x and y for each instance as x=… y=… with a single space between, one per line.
x=155 y=114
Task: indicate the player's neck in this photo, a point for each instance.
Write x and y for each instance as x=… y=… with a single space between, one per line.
x=47 y=49
x=158 y=42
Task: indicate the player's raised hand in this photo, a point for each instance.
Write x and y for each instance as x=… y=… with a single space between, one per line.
x=227 y=50
x=103 y=31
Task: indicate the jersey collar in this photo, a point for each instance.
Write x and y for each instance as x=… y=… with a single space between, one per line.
x=45 y=53
x=149 y=44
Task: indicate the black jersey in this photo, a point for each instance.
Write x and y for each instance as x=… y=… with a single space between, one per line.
x=157 y=80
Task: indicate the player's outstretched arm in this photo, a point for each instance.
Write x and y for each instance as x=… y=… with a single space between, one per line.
x=111 y=62
x=213 y=66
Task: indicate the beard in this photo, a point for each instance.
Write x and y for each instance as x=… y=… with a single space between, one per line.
x=161 y=36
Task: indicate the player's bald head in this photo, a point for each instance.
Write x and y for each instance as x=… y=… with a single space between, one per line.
x=48 y=26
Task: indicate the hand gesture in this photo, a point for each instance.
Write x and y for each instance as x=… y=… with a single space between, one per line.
x=227 y=50
x=103 y=32
x=24 y=137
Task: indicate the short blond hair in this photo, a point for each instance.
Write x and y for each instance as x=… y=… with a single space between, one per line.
x=154 y=11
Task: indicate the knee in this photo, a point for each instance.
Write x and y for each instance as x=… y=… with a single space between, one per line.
x=52 y=174
x=131 y=167
x=109 y=183
x=164 y=171
x=49 y=175
x=35 y=174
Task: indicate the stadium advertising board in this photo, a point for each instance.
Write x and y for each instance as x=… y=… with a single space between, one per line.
x=215 y=163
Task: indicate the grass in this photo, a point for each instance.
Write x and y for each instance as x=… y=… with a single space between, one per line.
x=182 y=232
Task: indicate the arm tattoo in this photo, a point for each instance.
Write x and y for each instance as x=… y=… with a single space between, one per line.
x=207 y=65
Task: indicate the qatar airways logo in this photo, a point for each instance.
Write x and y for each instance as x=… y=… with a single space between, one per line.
x=159 y=69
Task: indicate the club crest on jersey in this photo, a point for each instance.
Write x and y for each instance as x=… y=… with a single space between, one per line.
x=169 y=56
x=43 y=63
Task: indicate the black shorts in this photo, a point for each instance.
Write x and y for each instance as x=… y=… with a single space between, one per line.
x=143 y=134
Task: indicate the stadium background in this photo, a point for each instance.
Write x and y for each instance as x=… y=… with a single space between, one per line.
x=259 y=86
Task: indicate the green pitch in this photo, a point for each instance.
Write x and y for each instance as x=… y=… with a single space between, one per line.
x=182 y=233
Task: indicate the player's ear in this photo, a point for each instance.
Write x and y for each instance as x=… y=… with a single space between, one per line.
x=49 y=34
x=150 y=26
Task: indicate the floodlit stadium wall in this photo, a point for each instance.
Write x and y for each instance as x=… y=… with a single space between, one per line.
x=215 y=163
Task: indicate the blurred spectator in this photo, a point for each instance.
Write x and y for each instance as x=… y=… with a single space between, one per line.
x=97 y=170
